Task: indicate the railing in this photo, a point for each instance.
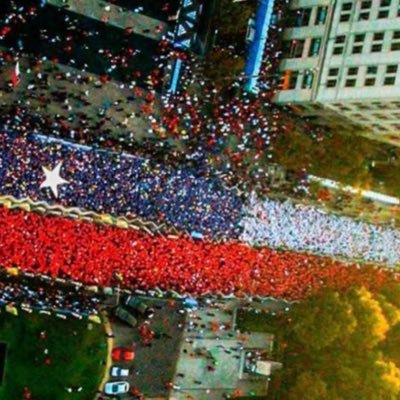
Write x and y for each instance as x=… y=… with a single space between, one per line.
x=43 y=207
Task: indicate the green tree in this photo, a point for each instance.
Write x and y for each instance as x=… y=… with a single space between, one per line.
x=344 y=346
x=381 y=381
x=322 y=320
x=232 y=17
x=221 y=64
x=372 y=324
x=308 y=386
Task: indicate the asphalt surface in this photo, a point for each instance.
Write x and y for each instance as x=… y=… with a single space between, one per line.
x=153 y=365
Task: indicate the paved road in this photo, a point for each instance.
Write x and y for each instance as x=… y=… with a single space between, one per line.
x=154 y=365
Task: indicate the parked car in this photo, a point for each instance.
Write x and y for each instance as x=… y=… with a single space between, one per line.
x=125 y=316
x=117 y=372
x=122 y=354
x=116 y=388
x=138 y=305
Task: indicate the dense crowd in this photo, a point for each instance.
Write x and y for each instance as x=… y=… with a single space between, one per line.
x=304 y=228
x=204 y=115
x=190 y=200
x=45 y=297
x=97 y=255
x=119 y=184
x=205 y=120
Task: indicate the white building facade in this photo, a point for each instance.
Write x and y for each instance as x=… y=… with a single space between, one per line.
x=341 y=65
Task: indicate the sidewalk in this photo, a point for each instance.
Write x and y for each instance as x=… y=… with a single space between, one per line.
x=85 y=104
x=115 y=16
x=110 y=345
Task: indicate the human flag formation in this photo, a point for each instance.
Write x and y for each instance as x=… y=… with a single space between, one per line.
x=58 y=172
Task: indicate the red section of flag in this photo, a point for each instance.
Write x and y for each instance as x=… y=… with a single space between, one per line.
x=95 y=255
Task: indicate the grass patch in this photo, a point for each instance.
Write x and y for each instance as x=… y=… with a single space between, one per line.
x=76 y=357
x=254 y=321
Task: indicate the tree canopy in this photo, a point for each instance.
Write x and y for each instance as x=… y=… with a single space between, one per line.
x=344 y=346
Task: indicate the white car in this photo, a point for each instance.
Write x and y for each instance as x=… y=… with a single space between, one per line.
x=117 y=372
x=116 y=388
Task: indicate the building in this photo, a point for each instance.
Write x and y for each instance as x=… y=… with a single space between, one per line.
x=341 y=65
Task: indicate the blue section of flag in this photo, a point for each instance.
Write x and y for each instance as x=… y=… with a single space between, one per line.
x=119 y=184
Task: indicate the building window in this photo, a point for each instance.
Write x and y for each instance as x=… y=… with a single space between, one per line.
x=293 y=48
x=338 y=46
x=395 y=45
x=322 y=12
x=390 y=75
x=346 y=12
x=350 y=83
x=369 y=82
x=347 y=6
x=363 y=16
x=359 y=38
x=345 y=18
x=340 y=39
x=293 y=79
x=298 y=48
x=358 y=43
x=383 y=14
x=381 y=116
x=376 y=48
x=314 y=47
x=308 y=78
x=372 y=69
x=391 y=69
x=366 y=5
x=331 y=83
x=362 y=106
x=300 y=17
x=378 y=36
x=377 y=42
x=333 y=72
x=352 y=71
x=364 y=10
x=384 y=8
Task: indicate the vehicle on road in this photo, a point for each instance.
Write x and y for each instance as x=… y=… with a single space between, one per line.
x=116 y=388
x=122 y=354
x=125 y=316
x=139 y=306
x=118 y=372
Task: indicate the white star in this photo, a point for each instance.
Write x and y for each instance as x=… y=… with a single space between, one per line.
x=53 y=179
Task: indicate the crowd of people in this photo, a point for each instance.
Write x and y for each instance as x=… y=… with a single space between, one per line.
x=47 y=297
x=192 y=201
x=106 y=256
x=119 y=184
x=206 y=121
x=203 y=114
x=304 y=228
